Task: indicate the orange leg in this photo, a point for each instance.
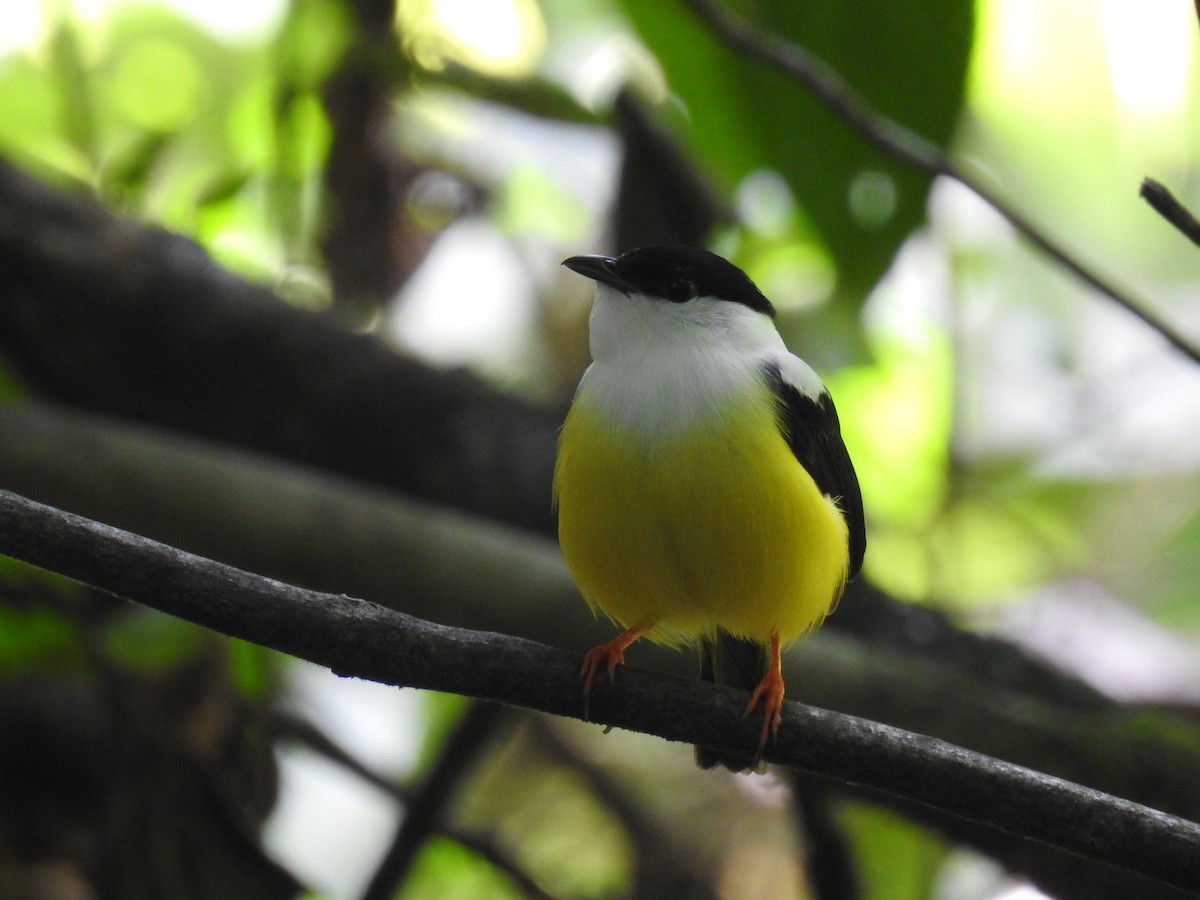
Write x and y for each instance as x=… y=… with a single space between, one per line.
x=770 y=693
x=608 y=656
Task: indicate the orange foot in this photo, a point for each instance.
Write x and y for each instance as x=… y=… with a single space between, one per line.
x=607 y=656
x=770 y=693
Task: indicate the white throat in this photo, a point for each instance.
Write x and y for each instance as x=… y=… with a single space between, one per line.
x=658 y=366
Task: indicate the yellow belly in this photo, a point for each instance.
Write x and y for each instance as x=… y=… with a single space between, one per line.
x=717 y=527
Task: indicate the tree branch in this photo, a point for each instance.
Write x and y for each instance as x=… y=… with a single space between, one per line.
x=663 y=867
x=425 y=811
x=371 y=244
x=1166 y=205
x=827 y=86
x=356 y=638
x=306 y=734
x=876 y=658
x=106 y=314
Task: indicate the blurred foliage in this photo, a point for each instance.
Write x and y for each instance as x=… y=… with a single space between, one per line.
x=34 y=637
x=899 y=860
x=743 y=116
x=221 y=141
x=38 y=629
x=146 y=640
x=1173 y=593
x=446 y=869
x=10 y=388
x=547 y=813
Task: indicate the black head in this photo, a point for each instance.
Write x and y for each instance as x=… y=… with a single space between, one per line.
x=677 y=274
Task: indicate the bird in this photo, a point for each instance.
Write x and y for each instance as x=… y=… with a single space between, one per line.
x=704 y=492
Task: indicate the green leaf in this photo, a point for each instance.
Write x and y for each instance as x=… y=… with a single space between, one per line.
x=252 y=667
x=897 y=859
x=128 y=172
x=31 y=130
x=158 y=83
x=33 y=636
x=310 y=42
x=1167 y=578
x=448 y=870
x=222 y=188
x=909 y=59
x=75 y=86
x=10 y=387
x=148 y=641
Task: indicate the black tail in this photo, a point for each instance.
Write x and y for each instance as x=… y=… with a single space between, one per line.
x=736 y=662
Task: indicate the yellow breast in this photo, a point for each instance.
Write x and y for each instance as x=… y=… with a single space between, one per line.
x=715 y=525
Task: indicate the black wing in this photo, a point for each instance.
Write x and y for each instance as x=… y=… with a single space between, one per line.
x=813 y=432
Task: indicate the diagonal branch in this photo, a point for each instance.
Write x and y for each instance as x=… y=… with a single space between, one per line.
x=1168 y=206
x=483 y=845
x=905 y=145
x=425 y=812
x=353 y=637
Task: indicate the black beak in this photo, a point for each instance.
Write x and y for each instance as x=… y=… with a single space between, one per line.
x=601 y=270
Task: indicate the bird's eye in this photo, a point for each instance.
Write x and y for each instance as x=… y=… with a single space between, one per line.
x=680 y=290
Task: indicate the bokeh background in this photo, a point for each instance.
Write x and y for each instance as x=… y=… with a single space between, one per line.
x=280 y=284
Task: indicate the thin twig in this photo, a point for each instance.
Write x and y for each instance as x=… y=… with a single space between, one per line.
x=829 y=864
x=663 y=868
x=425 y=812
x=365 y=177
x=354 y=637
x=1166 y=205
x=905 y=145
x=487 y=849
x=290 y=727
